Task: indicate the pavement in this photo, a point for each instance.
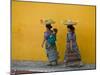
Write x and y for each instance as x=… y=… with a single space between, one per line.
x=41 y=67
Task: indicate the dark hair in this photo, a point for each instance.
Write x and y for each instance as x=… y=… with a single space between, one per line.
x=71 y=27
x=48 y=26
x=55 y=30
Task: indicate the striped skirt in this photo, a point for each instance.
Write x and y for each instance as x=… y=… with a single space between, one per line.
x=72 y=55
x=51 y=52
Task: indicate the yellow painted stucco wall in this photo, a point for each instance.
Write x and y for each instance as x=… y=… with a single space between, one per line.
x=27 y=31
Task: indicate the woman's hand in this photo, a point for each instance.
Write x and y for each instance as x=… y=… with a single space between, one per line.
x=43 y=43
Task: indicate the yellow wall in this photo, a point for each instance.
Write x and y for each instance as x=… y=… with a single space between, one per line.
x=27 y=32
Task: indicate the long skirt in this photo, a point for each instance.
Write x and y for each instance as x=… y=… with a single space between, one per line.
x=72 y=56
x=51 y=52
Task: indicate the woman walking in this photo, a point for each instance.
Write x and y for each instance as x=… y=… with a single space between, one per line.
x=49 y=41
x=72 y=54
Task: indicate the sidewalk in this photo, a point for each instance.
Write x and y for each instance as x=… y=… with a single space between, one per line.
x=41 y=67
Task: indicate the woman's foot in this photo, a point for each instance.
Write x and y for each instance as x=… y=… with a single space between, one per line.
x=54 y=63
x=73 y=64
x=80 y=64
x=49 y=64
x=66 y=64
